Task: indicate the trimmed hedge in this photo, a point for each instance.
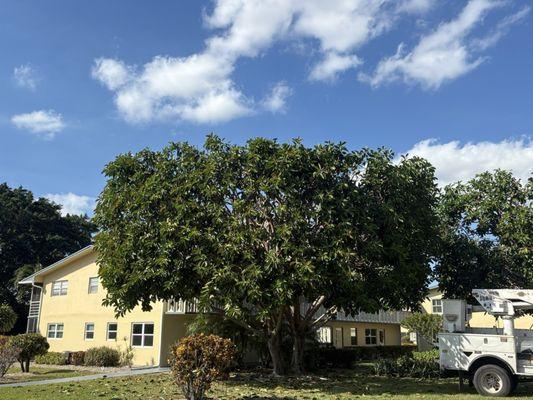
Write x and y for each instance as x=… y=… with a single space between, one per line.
x=102 y=357
x=51 y=358
x=344 y=358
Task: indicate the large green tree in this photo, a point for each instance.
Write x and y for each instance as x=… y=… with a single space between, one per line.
x=33 y=233
x=487 y=232
x=272 y=235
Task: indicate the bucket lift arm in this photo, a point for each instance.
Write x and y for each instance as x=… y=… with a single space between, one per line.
x=505 y=303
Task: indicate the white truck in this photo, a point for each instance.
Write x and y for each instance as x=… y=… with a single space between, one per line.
x=492 y=359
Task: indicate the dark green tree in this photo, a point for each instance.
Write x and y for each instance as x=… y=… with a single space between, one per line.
x=275 y=236
x=487 y=234
x=8 y=317
x=33 y=232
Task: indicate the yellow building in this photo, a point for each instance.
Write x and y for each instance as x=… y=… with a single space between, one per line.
x=433 y=305
x=66 y=307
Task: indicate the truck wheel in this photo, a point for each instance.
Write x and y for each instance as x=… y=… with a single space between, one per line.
x=492 y=380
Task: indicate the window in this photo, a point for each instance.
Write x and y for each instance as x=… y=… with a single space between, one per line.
x=59 y=288
x=93 y=285
x=142 y=335
x=436 y=306
x=112 y=329
x=353 y=336
x=371 y=336
x=89 y=331
x=55 y=331
x=323 y=334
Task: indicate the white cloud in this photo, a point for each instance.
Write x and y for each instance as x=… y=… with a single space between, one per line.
x=332 y=65
x=72 y=203
x=442 y=55
x=44 y=123
x=187 y=88
x=199 y=88
x=416 y=6
x=276 y=100
x=454 y=161
x=25 y=76
x=111 y=73
x=502 y=28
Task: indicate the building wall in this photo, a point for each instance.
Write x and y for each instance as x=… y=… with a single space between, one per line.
x=391 y=333
x=78 y=307
x=479 y=319
x=174 y=327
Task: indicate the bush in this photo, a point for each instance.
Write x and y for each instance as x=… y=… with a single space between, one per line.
x=344 y=358
x=30 y=345
x=51 y=358
x=200 y=359
x=8 y=355
x=102 y=357
x=8 y=317
x=430 y=355
x=77 y=358
x=406 y=366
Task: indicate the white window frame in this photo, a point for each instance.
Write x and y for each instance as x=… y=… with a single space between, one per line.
x=323 y=335
x=353 y=335
x=93 y=289
x=436 y=306
x=55 y=330
x=109 y=330
x=86 y=331
x=371 y=336
x=59 y=288
x=143 y=335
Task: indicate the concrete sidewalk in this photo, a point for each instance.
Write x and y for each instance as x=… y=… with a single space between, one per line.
x=119 y=374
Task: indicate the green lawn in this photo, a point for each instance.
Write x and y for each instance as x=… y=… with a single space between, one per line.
x=40 y=373
x=334 y=385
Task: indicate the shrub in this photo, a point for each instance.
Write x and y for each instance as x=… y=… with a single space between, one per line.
x=406 y=366
x=52 y=358
x=429 y=355
x=8 y=317
x=126 y=355
x=30 y=345
x=77 y=358
x=8 y=355
x=344 y=358
x=200 y=359
x=102 y=357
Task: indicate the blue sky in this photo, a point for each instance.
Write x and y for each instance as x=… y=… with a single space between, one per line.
x=81 y=82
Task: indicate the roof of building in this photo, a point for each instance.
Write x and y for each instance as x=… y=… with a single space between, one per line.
x=58 y=264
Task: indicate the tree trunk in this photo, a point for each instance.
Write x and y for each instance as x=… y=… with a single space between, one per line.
x=22 y=365
x=274 y=348
x=297 y=364
x=28 y=365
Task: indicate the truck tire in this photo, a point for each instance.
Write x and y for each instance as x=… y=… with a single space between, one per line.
x=493 y=381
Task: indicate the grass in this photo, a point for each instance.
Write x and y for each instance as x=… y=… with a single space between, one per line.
x=335 y=385
x=39 y=373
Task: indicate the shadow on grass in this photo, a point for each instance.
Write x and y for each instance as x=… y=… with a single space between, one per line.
x=346 y=383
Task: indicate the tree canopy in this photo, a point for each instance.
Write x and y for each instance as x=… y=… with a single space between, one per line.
x=487 y=232
x=259 y=230
x=33 y=233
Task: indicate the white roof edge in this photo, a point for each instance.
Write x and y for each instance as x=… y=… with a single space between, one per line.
x=31 y=279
